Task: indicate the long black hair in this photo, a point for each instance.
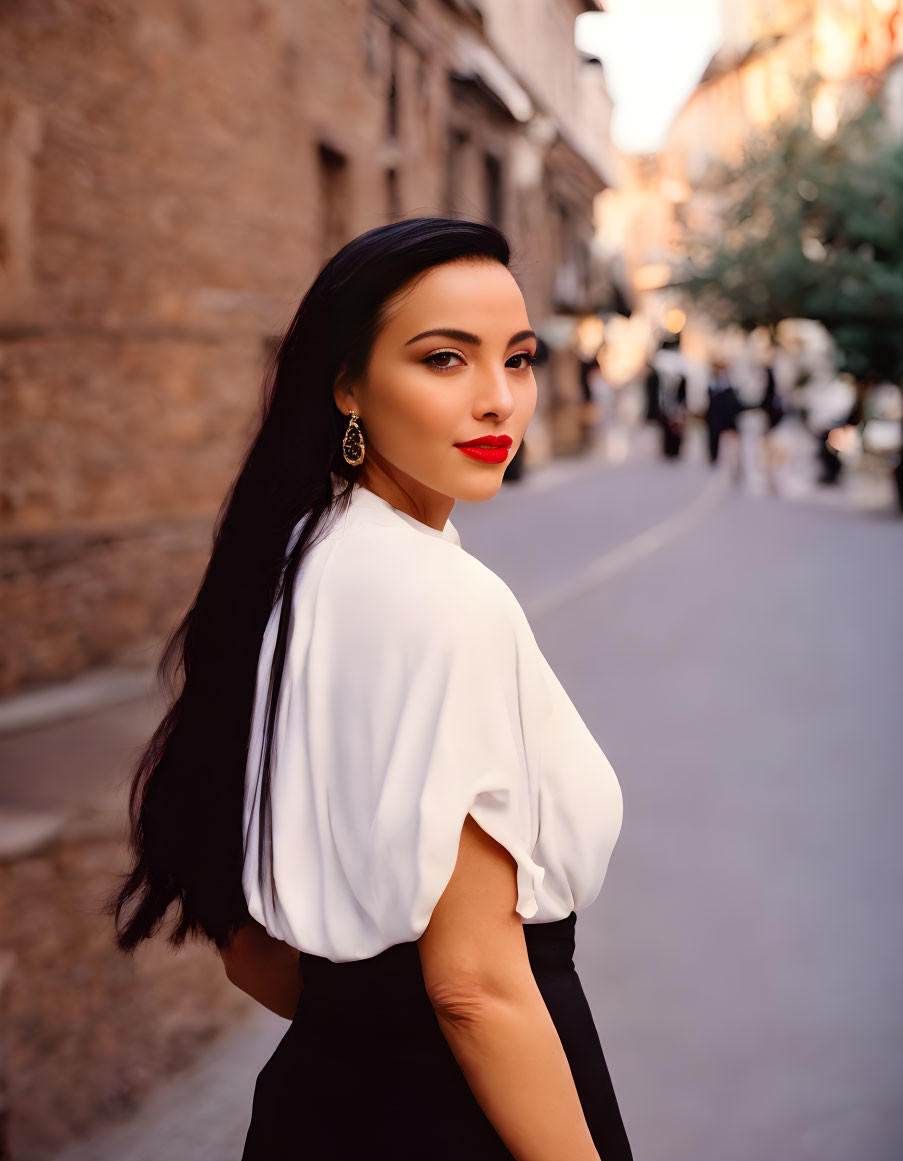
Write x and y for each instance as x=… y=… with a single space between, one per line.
x=187 y=790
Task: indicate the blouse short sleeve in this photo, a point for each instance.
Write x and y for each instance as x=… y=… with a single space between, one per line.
x=411 y=698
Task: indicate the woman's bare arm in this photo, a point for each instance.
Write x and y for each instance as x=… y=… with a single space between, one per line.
x=264 y=967
x=491 y=1012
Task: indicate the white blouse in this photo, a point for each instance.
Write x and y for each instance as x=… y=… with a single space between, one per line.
x=414 y=693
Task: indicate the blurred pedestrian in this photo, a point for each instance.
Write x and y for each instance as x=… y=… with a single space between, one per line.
x=588 y=412
x=772 y=407
x=651 y=384
x=670 y=377
x=724 y=406
x=597 y=404
x=831 y=406
x=346 y=792
x=772 y=403
x=604 y=400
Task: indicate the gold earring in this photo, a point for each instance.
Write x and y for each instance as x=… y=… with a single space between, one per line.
x=353 y=441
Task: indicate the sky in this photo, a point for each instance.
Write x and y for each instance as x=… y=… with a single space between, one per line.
x=654 y=52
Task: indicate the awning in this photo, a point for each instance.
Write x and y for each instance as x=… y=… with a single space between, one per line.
x=478 y=63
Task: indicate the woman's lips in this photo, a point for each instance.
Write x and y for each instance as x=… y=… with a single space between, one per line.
x=491 y=449
x=489 y=455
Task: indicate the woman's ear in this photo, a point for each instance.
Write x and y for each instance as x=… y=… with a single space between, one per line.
x=343 y=391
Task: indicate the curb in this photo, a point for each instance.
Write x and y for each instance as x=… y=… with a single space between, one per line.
x=81 y=695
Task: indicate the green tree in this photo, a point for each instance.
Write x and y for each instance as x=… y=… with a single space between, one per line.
x=813 y=229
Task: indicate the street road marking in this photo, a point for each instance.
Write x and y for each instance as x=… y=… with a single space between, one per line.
x=617 y=559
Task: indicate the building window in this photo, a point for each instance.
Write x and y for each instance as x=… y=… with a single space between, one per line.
x=392 y=95
x=423 y=85
x=333 y=176
x=393 y=197
x=492 y=170
x=454 y=160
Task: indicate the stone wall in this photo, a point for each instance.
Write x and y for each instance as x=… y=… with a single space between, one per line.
x=162 y=212
x=89 y=1032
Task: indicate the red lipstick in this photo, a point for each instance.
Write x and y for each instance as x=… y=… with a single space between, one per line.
x=491 y=449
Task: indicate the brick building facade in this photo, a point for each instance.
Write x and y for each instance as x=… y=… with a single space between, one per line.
x=172 y=177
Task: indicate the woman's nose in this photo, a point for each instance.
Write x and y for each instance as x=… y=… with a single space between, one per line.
x=495 y=396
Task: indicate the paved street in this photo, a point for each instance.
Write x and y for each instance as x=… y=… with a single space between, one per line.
x=737 y=655
x=744 y=955
x=744 y=677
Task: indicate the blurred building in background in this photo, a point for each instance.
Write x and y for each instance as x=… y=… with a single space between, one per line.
x=163 y=211
x=833 y=52
x=780 y=60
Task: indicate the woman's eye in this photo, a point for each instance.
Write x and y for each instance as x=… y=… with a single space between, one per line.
x=439 y=360
x=441 y=355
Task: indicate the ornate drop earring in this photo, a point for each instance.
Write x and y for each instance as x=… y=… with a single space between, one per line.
x=353 y=441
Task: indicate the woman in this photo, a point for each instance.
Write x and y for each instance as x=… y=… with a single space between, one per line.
x=347 y=793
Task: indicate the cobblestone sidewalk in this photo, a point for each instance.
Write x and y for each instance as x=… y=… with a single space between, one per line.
x=201 y=1115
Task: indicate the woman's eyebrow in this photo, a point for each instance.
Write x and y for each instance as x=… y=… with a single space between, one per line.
x=467 y=337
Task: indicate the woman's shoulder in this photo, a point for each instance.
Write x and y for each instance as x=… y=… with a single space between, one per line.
x=394 y=560
x=395 y=576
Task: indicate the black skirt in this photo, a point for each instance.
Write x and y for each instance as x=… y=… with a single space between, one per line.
x=364 y=1071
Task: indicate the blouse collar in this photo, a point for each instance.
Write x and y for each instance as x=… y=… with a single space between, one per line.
x=363 y=498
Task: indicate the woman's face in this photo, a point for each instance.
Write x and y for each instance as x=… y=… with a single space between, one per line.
x=424 y=393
